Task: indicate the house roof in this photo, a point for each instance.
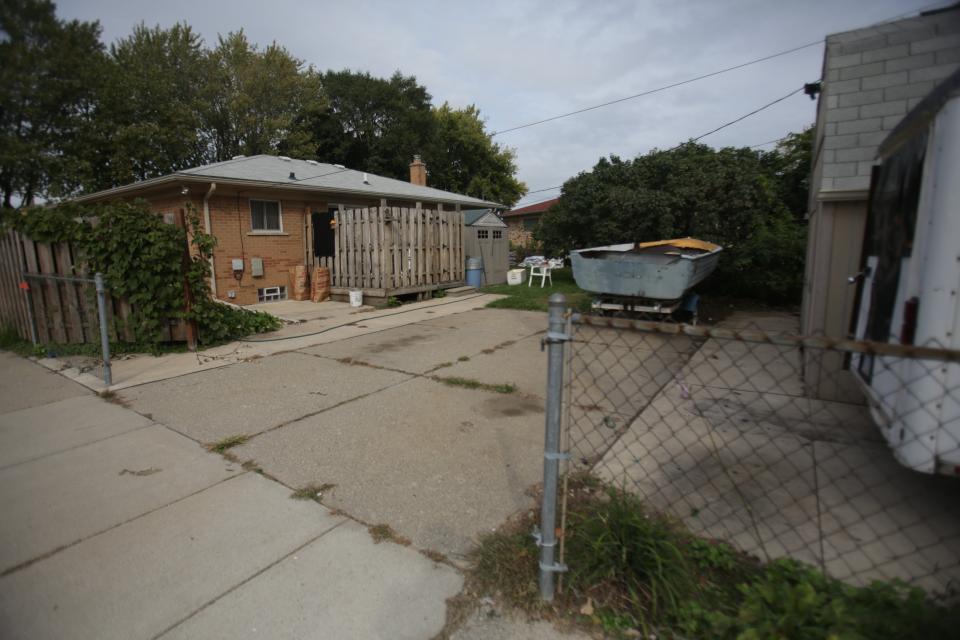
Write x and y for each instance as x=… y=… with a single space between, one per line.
x=538 y=207
x=279 y=172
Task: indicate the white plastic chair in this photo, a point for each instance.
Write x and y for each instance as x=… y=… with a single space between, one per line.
x=543 y=271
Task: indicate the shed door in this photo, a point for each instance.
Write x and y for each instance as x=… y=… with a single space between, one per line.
x=492 y=245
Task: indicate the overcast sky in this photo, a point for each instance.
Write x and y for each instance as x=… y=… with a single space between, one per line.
x=521 y=61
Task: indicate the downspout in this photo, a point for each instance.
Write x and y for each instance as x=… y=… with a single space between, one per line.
x=206 y=224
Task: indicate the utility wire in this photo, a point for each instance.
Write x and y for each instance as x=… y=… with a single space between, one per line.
x=658 y=89
x=712 y=131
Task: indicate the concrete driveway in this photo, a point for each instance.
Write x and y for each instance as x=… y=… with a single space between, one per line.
x=371 y=418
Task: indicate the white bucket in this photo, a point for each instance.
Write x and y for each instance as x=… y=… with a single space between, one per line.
x=356 y=298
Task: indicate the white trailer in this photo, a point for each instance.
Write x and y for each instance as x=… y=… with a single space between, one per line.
x=910 y=286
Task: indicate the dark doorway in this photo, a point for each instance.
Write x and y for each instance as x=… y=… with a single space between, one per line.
x=324 y=234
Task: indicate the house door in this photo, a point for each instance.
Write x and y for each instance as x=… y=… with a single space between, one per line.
x=324 y=234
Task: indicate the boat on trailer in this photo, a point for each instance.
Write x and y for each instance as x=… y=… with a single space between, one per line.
x=645 y=277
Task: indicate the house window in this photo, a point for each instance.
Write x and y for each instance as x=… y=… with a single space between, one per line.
x=265 y=215
x=482 y=234
x=497 y=234
x=530 y=224
x=269 y=294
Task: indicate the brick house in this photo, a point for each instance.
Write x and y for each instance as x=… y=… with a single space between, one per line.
x=871 y=78
x=272 y=213
x=521 y=222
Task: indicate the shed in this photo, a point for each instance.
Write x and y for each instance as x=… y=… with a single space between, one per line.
x=485 y=237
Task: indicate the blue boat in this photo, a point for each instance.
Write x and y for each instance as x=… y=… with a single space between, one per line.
x=661 y=270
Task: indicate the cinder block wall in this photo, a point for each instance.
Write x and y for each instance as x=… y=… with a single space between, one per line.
x=873 y=77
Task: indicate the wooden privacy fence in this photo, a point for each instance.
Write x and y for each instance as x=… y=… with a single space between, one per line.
x=397 y=248
x=63 y=311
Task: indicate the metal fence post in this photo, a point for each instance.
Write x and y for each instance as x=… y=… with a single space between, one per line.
x=104 y=334
x=551 y=449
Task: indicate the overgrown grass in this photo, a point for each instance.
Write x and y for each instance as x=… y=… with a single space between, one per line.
x=634 y=571
x=224 y=445
x=470 y=383
x=533 y=298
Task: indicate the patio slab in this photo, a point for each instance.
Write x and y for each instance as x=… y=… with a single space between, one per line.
x=144 y=577
x=340 y=586
x=254 y=396
x=43 y=430
x=63 y=498
x=31 y=386
x=439 y=464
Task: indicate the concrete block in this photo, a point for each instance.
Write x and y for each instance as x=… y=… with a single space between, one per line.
x=840 y=170
x=912 y=34
x=893 y=108
x=910 y=62
x=875 y=41
x=832 y=102
x=840 y=61
x=860 y=126
x=66 y=497
x=886 y=53
x=851 y=184
x=948 y=41
x=945 y=56
x=865 y=168
x=833 y=75
x=872 y=139
x=340 y=586
x=826 y=184
x=141 y=578
x=842 y=86
x=855 y=155
x=913 y=90
x=885 y=80
x=889 y=122
x=860 y=97
x=841 y=114
x=862 y=70
x=912 y=102
x=829 y=128
x=828 y=156
x=936 y=73
x=841 y=142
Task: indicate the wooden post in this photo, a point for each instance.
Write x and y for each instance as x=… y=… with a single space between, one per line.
x=187 y=294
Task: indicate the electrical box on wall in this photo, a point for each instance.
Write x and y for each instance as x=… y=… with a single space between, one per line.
x=256 y=267
x=237 y=264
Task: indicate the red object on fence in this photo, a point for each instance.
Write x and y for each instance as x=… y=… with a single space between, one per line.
x=25 y=285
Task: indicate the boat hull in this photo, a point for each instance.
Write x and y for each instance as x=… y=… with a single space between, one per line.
x=616 y=270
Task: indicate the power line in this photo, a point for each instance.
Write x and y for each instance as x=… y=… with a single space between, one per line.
x=658 y=89
x=712 y=131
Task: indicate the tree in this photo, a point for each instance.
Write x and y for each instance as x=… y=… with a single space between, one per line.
x=373 y=124
x=151 y=106
x=461 y=157
x=728 y=196
x=791 y=161
x=49 y=71
x=259 y=101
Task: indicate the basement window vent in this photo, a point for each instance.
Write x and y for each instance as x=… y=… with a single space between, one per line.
x=271 y=294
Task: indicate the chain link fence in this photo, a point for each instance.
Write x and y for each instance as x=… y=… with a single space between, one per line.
x=834 y=453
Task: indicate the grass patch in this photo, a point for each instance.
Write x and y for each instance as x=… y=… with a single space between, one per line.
x=635 y=572
x=385 y=533
x=222 y=446
x=312 y=491
x=470 y=383
x=534 y=298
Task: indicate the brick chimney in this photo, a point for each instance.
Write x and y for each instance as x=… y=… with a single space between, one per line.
x=418 y=171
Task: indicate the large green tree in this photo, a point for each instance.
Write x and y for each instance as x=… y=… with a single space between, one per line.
x=373 y=124
x=151 y=106
x=50 y=71
x=462 y=157
x=728 y=196
x=259 y=101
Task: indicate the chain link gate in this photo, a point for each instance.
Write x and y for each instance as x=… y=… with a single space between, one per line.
x=779 y=445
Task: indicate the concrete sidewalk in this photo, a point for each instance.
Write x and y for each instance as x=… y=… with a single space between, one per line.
x=115 y=526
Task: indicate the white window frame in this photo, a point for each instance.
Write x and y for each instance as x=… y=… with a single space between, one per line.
x=276 y=293
x=266 y=232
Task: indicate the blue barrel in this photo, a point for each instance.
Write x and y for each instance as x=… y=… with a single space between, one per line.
x=474 y=272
